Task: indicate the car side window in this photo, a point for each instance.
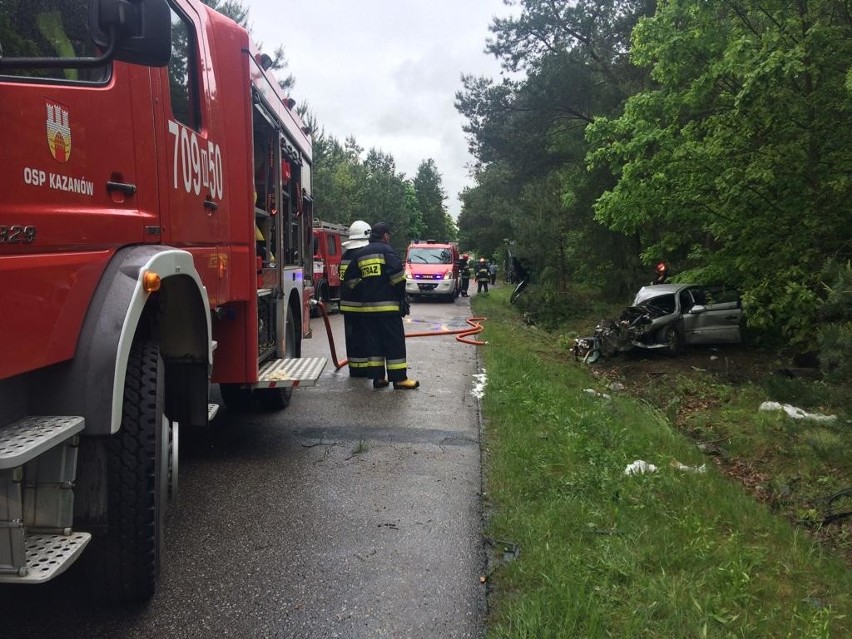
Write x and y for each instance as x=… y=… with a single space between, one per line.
x=721 y=298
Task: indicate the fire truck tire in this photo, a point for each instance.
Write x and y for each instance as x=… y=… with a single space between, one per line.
x=136 y=495
x=279 y=398
x=235 y=397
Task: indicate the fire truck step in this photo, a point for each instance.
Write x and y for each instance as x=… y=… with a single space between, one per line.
x=212 y=409
x=48 y=556
x=301 y=371
x=28 y=438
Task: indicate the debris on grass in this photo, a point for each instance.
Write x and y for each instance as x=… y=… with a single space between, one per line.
x=689 y=469
x=480 y=382
x=797 y=413
x=640 y=467
x=592 y=391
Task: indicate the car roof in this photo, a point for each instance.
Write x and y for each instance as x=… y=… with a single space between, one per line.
x=647 y=292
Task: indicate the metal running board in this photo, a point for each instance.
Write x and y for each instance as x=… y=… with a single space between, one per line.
x=47 y=557
x=28 y=438
x=282 y=373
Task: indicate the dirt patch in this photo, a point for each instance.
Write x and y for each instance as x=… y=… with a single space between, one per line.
x=657 y=378
x=637 y=369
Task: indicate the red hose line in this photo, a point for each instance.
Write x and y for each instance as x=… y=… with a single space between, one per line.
x=462 y=335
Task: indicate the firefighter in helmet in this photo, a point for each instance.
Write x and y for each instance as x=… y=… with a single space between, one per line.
x=482 y=276
x=353 y=322
x=378 y=272
x=465 y=272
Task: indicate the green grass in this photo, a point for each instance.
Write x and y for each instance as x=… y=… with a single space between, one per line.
x=602 y=554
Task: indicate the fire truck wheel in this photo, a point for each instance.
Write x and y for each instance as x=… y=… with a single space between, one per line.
x=235 y=397
x=279 y=398
x=136 y=496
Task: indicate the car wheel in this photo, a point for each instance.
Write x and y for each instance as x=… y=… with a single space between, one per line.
x=673 y=340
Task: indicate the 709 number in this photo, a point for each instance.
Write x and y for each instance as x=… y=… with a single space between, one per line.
x=195 y=166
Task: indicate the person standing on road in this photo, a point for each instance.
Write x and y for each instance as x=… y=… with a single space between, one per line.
x=492 y=271
x=353 y=323
x=464 y=271
x=378 y=273
x=482 y=276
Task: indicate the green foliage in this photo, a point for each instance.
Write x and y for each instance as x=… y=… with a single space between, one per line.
x=736 y=157
x=350 y=185
x=719 y=151
x=533 y=188
x=835 y=336
x=430 y=196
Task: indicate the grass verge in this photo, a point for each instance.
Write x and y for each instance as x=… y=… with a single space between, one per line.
x=598 y=553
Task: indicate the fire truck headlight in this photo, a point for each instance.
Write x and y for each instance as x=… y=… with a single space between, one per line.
x=151 y=282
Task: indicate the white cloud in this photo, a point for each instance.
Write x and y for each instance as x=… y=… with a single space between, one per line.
x=386 y=72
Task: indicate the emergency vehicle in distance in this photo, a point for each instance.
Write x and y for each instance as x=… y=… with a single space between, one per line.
x=432 y=270
x=155 y=229
x=328 y=239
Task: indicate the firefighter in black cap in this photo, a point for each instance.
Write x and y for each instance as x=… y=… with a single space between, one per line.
x=379 y=275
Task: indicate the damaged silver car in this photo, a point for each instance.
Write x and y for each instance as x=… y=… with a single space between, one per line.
x=667 y=316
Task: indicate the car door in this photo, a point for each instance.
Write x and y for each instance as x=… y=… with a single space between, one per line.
x=713 y=317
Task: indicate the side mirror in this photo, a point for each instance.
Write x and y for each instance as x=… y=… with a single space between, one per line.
x=137 y=31
x=697 y=308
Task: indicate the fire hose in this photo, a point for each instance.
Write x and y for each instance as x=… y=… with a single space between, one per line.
x=463 y=335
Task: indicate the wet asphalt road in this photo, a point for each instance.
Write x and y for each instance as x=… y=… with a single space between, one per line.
x=352 y=513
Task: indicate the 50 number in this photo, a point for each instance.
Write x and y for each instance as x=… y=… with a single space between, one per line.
x=193 y=165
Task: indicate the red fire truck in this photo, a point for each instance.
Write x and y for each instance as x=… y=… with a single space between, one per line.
x=155 y=229
x=328 y=238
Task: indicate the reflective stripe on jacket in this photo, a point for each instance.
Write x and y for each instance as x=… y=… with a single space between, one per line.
x=377 y=277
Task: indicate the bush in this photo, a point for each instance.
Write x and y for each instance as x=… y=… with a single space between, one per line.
x=835 y=335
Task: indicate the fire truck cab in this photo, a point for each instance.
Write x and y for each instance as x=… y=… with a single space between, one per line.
x=155 y=229
x=328 y=238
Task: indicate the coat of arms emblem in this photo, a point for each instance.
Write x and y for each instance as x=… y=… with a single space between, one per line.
x=58 y=132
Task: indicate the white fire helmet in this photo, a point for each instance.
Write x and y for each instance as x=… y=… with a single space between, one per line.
x=359 y=235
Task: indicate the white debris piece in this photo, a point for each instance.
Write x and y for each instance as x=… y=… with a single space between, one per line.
x=592 y=391
x=797 y=413
x=640 y=467
x=689 y=469
x=480 y=382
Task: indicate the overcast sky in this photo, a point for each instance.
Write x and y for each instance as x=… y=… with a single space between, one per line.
x=386 y=72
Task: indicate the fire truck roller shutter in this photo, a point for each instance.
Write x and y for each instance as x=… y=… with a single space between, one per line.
x=176 y=316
